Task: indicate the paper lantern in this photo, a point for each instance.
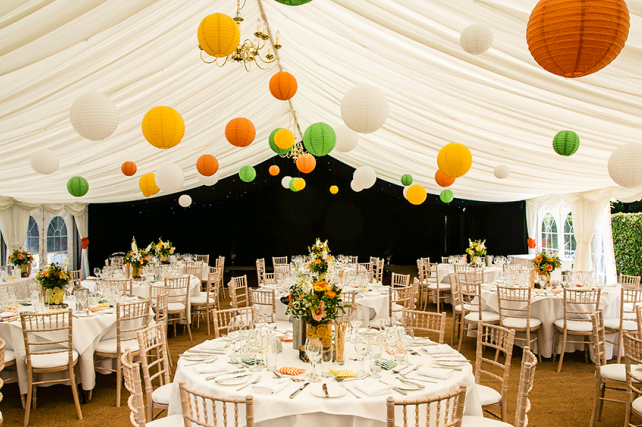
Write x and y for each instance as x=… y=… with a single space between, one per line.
x=284 y=139
x=273 y=145
x=208 y=180
x=291 y=185
x=319 y=139
x=364 y=177
x=240 y=132
x=247 y=174
x=218 y=35
x=476 y=39
x=502 y=172
x=354 y=186
x=94 y=116
x=566 y=142
x=128 y=168
x=185 y=200
x=77 y=186
x=274 y=170
x=207 y=165
x=446 y=195
x=405 y=192
x=454 y=160
x=293 y=2
x=443 y=180
x=416 y=194
x=44 y=161
x=406 y=179
x=306 y=163
x=299 y=184
x=624 y=165
x=334 y=189
x=169 y=177
x=163 y=127
x=283 y=85
x=364 y=108
x=347 y=139
x=285 y=182
x=575 y=38
x=147 y=185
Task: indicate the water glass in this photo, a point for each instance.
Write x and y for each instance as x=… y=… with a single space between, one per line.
x=313 y=349
x=362 y=347
x=272 y=354
x=326 y=360
x=377 y=345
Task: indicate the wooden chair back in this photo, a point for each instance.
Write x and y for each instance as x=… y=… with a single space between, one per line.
x=207 y=410
x=378 y=270
x=264 y=298
x=178 y=289
x=154 y=360
x=444 y=260
x=276 y=260
x=629 y=281
x=125 y=285
x=402 y=297
x=75 y=278
x=599 y=342
x=238 y=291
x=347 y=298
x=526 y=381
x=159 y=298
x=520 y=261
x=2 y=346
x=638 y=318
x=131 y=317
x=193 y=268
x=475 y=276
x=420 y=270
x=222 y=318
x=272 y=278
x=202 y=258
x=630 y=298
x=131 y=375
x=426 y=322
x=260 y=270
x=470 y=296
x=282 y=268
x=214 y=281
x=446 y=410
x=514 y=303
x=400 y=280
x=515 y=267
x=579 y=304
x=35 y=326
x=352 y=259
x=632 y=359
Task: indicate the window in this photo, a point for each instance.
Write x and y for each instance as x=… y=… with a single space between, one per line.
x=549 y=233
x=32 y=242
x=569 y=238
x=57 y=240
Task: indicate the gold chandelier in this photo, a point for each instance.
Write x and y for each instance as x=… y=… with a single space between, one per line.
x=249 y=52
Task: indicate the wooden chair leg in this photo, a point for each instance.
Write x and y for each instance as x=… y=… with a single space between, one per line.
x=438 y=307
x=452 y=334
x=555 y=338
x=539 y=345
x=620 y=344
x=600 y=403
x=596 y=399
x=74 y=391
x=28 y=403
x=119 y=381
x=462 y=330
x=189 y=330
x=34 y=398
x=562 y=351
x=207 y=319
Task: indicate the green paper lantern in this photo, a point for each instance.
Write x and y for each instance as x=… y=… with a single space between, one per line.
x=319 y=139
x=446 y=196
x=291 y=184
x=293 y=2
x=273 y=145
x=566 y=143
x=77 y=186
x=247 y=174
x=406 y=179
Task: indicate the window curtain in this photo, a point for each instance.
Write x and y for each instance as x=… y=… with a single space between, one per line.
x=14 y=221
x=82 y=224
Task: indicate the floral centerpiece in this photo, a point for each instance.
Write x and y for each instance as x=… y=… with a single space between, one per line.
x=53 y=279
x=163 y=250
x=476 y=248
x=138 y=258
x=546 y=263
x=23 y=259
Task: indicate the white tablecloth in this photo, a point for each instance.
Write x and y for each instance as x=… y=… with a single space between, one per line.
x=491 y=274
x=306 y=409
x=21 y=286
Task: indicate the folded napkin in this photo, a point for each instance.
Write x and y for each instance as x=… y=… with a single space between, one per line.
x=438 y=373
x=346 y=373
x=386 y=364
x=210 y=368
x=440 y=349
x=271 y=386
x=213 y=346
x=372 y=387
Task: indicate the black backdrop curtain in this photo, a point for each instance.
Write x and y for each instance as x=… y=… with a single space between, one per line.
x=261 y=219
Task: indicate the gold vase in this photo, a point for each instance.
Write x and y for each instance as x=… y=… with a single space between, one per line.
x=324 y=333
x=136 y=272
x=25 y=270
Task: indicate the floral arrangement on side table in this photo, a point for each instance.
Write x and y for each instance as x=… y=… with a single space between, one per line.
x=23 y=259
x=138 y=258
x=546 y=263
x=163 y=250
x=476 y=248
x=53 y=278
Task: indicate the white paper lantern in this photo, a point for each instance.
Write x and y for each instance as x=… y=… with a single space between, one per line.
x=208 y=180
x=169 y=177
x=346 y=138
x=185 y=200
x=94 y=116
x=355 y=187
x=285 y=182
x=502 y=172
x=405 y=190
x=364 y=177
x=364 y=108
x=476 y=39
x=624 y=165
x=44 y=161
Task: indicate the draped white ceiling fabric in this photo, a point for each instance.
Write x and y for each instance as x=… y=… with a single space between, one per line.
x=144 y=53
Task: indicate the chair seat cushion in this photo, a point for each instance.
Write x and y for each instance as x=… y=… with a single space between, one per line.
x=201 y=299
x=627 y=325
x=9 y=356
x=175 y=420
x=487 y=316
x=53 y=360
x=520 y=323
x=176 y=306
x=442 y=286
x=161 y=394
x=473 y=421
x=574 y=325
x=614 y=372
x=637 y=405
x=109 y=346
x=488 y=395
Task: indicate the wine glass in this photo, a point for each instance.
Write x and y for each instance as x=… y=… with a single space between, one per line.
x=362 y=347
x=406 y=337
x=392 y=340
x=376 y=349
x=313 y=349
x=356 y=320
x=255 y=344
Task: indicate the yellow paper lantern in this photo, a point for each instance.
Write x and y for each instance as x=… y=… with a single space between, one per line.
x=299 y=184
x=163 y=127
x=284 y=139
x=454 y=160
x=334 y=189
x=218 y=35
x=416 y=194
x=147 y=185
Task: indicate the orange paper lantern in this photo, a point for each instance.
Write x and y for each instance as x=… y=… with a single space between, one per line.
x=575 y=38
x=443 y=180
x=306 y=163
x=283 y=85
x=207 y=165
x=274 y=170
x=128 y=168
x=147 y=185
x=240 y=132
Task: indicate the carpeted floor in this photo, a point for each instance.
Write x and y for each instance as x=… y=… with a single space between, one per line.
x=559 y=400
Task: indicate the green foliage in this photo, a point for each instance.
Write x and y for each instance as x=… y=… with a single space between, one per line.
x=617 y=207
x=627 y=242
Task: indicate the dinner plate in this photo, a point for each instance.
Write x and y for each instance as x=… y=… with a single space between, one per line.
x=453 y=364
x=334 y=390
x=235 y=381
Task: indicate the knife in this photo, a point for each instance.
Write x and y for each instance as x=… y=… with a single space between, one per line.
x=225 y=380
x=299 y=390
x=224 y=373
x=325 y=390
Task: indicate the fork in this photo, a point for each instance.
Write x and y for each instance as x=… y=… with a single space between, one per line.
x=258 y=378
x=351 y=392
